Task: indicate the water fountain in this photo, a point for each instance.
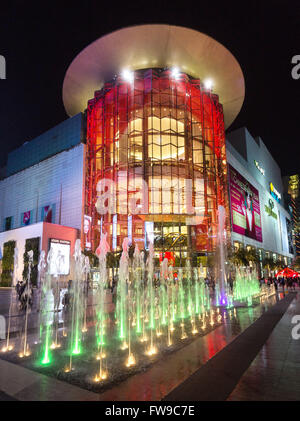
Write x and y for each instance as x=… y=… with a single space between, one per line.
x=101 y=252
x=153 y=314
x=221 y=293
x=8 y=346
x=46 y=305
x=77 y=306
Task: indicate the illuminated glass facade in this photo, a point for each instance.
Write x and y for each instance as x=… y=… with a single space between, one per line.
x=156 y=162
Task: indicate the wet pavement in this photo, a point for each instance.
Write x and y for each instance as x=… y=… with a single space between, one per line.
x=174 y=369
x=274 y=375
x=155 y=383
x=215 y=380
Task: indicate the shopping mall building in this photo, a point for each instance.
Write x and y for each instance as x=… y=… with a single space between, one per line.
x=144 y=155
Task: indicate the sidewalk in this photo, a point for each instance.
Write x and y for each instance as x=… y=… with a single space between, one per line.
x=274 y=375
x=218 y=377
x=19 y=383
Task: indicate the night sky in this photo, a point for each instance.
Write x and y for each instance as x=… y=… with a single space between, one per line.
x=40 y=41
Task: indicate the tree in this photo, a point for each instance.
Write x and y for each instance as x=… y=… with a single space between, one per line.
x=7 y=263
x=94 y=261
x=239 y=257
x=296 y=264
x=268 y=263
x=252 y=256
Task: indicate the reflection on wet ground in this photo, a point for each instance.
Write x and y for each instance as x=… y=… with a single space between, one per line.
x=274 y=373
x=168 y=373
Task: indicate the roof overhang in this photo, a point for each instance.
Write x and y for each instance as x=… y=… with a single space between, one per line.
x=143 y=46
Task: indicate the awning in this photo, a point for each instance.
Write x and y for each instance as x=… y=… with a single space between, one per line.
x=287 y=273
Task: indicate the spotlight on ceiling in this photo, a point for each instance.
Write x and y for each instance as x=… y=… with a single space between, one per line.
x=175 y=72
x=208 y=84
x=127 y=75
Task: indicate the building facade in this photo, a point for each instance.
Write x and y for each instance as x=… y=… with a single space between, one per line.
x=143 y=155
x=42 y=194
x=259 y=217
x=292 y=197
x=156 y=162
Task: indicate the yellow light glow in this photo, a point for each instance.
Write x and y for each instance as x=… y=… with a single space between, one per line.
x=100 y=356
x=55 y=345
x=99 y=377
x=7 y=348
x=27 y=354
x=130 y=361
x=151 y=351
x=124 y=346
x=144 y=339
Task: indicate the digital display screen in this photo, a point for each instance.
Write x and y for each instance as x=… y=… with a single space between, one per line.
x=245 y=209
x=60 y=263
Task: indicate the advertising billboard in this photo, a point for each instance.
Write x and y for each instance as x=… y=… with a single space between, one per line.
x=289 y=228
x=245 y=209
x=60 y=264
x=87 y=224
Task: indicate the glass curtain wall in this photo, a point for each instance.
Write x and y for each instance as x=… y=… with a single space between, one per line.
x=158 y=142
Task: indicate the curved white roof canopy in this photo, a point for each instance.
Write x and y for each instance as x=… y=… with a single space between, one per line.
x=146 y=46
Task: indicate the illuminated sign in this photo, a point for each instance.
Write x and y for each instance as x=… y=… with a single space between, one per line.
x=260 y=169
x=275 y=193
x=87 y=223
x=269 y=209
x=245 y=208
x=60 y=262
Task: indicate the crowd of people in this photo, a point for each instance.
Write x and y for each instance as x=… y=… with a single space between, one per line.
x=25 y=294
x=285 y=283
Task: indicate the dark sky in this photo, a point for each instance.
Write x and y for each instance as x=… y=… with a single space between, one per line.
x=39 y=41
